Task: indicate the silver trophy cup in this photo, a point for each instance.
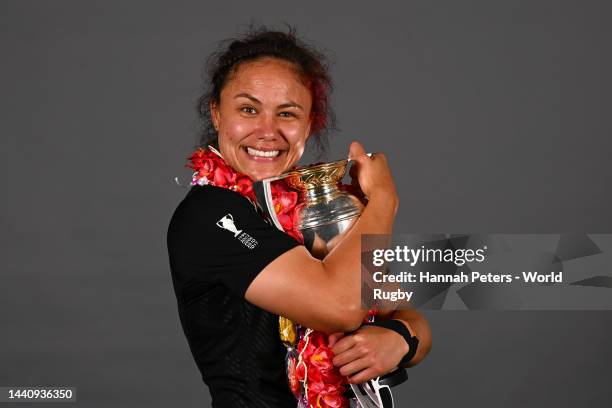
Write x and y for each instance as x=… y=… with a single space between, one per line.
x=326 y=208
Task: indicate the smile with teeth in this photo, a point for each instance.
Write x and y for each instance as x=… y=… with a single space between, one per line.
x=262 y=153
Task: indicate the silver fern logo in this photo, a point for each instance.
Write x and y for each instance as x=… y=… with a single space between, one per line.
x=227 y=223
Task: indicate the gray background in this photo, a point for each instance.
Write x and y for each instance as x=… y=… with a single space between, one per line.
x=494 y=115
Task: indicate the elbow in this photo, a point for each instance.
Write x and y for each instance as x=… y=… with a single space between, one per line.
x=355 y=317
x=349 y=317
x=337 y=319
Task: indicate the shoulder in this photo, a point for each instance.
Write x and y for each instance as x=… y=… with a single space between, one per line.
x=203 y=206
x=201 y=200
x=211 y=195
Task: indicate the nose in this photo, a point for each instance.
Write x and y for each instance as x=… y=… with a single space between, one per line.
x=268 y=128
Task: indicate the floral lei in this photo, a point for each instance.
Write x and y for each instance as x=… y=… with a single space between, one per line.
x=313 y=379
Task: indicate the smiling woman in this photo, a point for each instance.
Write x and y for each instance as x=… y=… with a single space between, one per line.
x=309 y=67
x=263 y=118
x=234 y=274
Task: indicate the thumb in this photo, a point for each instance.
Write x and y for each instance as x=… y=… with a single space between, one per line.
x=356 y=150
x=333 y=338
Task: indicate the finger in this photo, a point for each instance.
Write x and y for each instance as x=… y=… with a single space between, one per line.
x=333 y=338
x=347 y=356
x=343 y=344
x=355 y=366
x=363 y=376
x=356 y=151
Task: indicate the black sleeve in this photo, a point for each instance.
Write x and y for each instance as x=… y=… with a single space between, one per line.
x=216 y=236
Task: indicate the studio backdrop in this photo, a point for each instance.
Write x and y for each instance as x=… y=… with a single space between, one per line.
x=494 y=116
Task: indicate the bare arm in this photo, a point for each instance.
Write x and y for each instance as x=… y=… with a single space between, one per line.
x=373 y=351
x=326 y=295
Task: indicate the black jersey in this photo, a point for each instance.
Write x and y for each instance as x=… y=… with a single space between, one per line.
x=217 y=244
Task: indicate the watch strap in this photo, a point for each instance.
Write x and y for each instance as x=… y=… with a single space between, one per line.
x=401 y=329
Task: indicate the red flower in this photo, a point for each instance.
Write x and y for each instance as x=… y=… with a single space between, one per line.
x=202 y=162
x=224 y=176
x=287 y=209
x=244 y=186
x=286 y=221
x=321 y=358
x=296 y=213
x=333 y=397
x=323 y=381
x=284 y=201
x=327 y=396
x=212 y=169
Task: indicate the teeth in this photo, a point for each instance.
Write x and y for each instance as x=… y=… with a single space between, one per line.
x=261 y=153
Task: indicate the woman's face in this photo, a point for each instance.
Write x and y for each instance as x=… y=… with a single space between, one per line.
x=263 y=118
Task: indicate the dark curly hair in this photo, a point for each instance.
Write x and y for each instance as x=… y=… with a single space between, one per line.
x=258 y=43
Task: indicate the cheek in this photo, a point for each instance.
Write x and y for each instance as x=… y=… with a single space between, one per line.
x=235 y=131
x=298 y=145
x=296 y=136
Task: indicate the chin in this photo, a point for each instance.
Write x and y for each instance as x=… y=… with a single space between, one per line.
x=259 y=173
x=264 y=175
x=263 y=171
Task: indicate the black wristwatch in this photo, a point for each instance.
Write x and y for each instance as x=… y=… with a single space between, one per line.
x=401 y=329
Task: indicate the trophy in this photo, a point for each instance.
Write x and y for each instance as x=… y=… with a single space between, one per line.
x=326 y=209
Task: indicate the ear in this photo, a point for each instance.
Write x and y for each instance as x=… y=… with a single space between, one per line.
x=214 y=114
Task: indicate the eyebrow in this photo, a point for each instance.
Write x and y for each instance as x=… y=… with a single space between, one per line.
x=289 y=104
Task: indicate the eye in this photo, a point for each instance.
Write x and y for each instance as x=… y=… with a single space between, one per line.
x=287 y=114
x=248 y=109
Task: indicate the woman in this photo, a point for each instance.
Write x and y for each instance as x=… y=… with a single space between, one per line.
x=234 y=274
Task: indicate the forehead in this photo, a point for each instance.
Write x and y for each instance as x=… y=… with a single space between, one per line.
x=268 y=76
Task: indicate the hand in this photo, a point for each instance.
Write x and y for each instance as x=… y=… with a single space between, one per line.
x=333 y=338
x=373 y=174
x=369 y=352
